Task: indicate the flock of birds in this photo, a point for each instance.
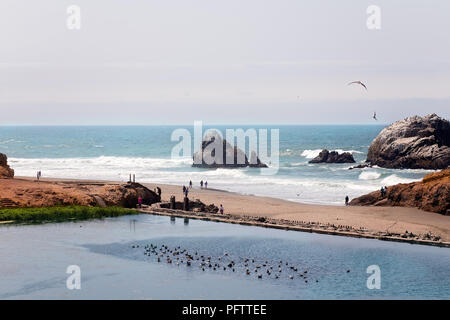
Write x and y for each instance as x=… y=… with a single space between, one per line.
x=249 y=266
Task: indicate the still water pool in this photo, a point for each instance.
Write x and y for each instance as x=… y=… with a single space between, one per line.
x=113 y=263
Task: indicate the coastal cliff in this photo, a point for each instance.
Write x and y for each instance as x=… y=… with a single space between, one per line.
x=27 y=193
x=415 y=143
x=5 y=170
x=430 y=194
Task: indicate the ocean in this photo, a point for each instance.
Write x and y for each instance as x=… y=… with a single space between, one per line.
x=113 y=152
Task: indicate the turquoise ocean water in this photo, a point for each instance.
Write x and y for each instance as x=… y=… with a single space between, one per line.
x=113 y=152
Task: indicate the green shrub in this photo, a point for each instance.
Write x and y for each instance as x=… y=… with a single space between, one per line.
x=61 y=213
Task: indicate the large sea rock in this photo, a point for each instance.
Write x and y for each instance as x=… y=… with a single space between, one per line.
x=5 y=170
x=430 y=194
x=213 y=141
x=326 y=156
x=415 y=142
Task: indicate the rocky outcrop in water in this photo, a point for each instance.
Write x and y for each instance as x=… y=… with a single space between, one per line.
x=360 y=166
x=430 y=194
x=415 y=142
x=232 y=156
x=5 y=170
x=326 y=156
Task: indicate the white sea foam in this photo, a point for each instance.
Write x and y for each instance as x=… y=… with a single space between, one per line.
x=324 y=188
x=309 y=154
x=102 y=162
x=369 y=175
x=10 y=141
x=394 y=179
x=298 y=164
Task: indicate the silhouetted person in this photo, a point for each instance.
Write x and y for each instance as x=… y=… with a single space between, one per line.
x=346 y=200
x=158 y=190
x=201 y=184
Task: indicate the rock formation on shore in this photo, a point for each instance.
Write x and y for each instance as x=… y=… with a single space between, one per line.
x=26 y=193
x=194 y=205
x=5 y=170
x=326 y=156
x=126 y=195
x=206 y=158
x=415 y=142
x=430 y=194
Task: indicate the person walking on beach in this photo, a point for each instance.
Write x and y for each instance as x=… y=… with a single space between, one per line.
x=140 y=202
x=201 y=184
x=158 y=189
x=346 y=200
x=38 y=175
x=184 y=190
x=190 y=184
x=221 y=209
x=206 y=184
x=382 y=192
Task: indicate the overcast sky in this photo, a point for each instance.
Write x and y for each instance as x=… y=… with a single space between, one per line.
x=228 y=61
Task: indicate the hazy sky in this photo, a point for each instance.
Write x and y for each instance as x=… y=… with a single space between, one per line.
x=228 y=61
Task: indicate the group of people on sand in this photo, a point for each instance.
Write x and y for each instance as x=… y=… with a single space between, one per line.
x=202 y=184
x=186 y=191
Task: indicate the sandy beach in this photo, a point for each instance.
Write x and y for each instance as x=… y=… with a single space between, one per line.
x=372 y=219
x=376 y=219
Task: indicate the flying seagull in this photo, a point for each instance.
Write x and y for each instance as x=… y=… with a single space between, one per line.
x=375 y=115
x=358 y=82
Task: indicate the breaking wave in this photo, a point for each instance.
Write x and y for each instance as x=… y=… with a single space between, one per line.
x=369 y=175
x=394 y=179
